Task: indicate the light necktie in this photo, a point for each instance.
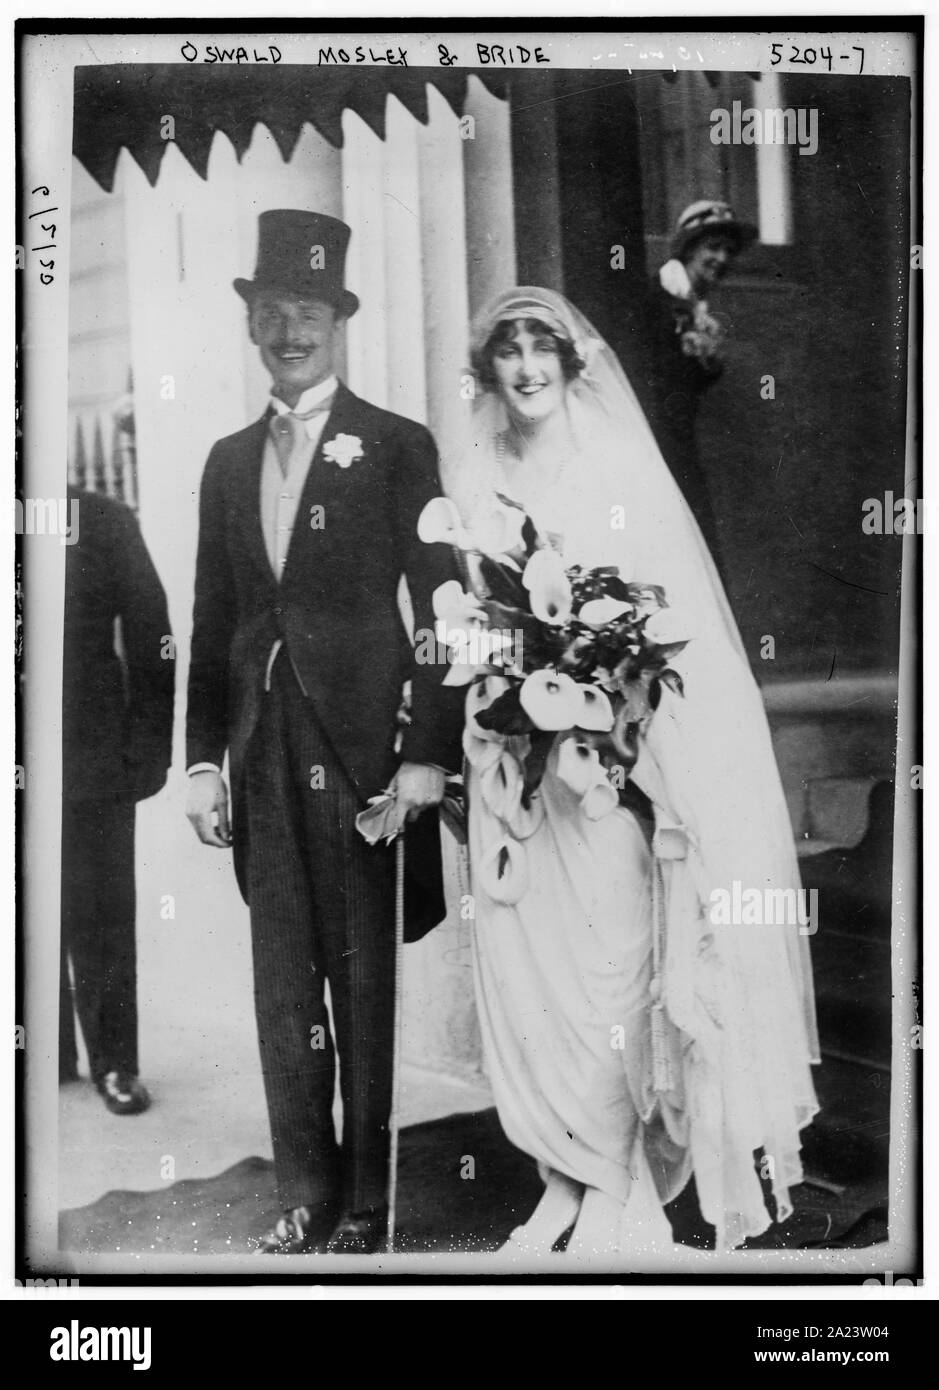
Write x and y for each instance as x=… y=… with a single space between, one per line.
x=289 y=433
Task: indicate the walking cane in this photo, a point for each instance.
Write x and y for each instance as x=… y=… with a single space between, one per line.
x=396 y=1046
x=378 y=822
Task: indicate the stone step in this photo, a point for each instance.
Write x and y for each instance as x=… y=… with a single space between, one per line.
x=840 y=732
x=853 y=995
x=855 y=883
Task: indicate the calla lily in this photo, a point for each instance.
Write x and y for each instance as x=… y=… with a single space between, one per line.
x=579 y=766
x=550 y=589
x=461 y=627
x=625 y=733
x=479 y=697
x=481 y=752
x=551 y=700
x=500 y=786
x=473 y=651
x=600 y=611
x=525 y=820
x=597 y=712
x=599 y=800
x=667 y=626
x=461 y=673
x=454 y=605
x=645 y=600
x=503 y=872
x=440 y=521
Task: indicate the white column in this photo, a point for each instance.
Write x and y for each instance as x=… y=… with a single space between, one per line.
x=443 y=241
x=774 y=196
x=441 y=1031
x=490 y=216
x=187 y=326
x=363 y=200
x=404 y=283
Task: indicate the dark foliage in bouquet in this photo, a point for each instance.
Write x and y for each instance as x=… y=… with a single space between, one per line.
x=581 y=649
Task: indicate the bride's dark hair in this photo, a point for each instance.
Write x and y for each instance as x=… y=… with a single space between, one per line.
x=481 y=359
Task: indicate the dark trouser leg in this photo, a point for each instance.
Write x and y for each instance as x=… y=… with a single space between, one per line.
x=297 y=1058
x=319 y=896
x=355 y=922
x=98 y=928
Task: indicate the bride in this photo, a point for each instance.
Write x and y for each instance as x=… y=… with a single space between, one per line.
x=630 y=1042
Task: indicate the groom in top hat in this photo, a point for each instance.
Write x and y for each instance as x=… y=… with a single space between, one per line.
x=308 y=520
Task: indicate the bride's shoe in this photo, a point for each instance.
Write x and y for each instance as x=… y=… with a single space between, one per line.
x=638 y=1226
x=552 y=1218
x=598 y=1227
x=521 y=1243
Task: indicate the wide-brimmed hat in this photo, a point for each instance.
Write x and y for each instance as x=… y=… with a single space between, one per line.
x=302 y=253
x=708 y=217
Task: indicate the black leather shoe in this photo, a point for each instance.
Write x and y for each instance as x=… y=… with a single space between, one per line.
x=360 y=1232
x=123 y=1094
x=301 y=1231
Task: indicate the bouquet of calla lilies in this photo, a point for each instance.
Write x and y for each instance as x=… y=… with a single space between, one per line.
x=551 y=655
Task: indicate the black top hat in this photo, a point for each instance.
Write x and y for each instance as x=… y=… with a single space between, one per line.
x=302 y=253
x=709 y=217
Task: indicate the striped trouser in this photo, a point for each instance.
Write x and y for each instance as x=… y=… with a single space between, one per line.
x=322 y=908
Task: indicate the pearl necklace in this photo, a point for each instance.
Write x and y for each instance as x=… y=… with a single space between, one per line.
x=501 y=445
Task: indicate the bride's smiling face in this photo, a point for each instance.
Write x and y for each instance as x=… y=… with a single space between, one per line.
x=529 y=373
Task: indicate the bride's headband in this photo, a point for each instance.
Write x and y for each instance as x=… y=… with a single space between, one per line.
x=524 y=309
x=530 y=306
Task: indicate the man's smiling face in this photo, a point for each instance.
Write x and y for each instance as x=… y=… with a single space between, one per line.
x=297 y=339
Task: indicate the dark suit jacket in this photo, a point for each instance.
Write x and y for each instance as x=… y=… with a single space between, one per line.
x=335 y=607
x=117 y=710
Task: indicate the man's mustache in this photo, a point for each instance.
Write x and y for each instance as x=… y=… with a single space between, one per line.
x=294 y=347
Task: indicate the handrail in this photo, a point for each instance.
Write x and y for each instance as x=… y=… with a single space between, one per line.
x=872 y=693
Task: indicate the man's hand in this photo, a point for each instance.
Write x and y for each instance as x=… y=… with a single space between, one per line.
x=417 y=786
x=208 y=799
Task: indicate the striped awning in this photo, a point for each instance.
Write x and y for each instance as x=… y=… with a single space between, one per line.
x=123 y=106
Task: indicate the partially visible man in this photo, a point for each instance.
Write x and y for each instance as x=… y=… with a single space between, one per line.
x=117 y=725
x=683 y=344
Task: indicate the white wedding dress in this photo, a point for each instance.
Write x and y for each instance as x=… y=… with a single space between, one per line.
x=563 y=975
x=589 y=1078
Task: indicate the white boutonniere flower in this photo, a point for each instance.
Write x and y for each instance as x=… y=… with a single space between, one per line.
x=344 y=450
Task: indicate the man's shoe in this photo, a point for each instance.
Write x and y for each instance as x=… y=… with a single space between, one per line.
x=360 y=1233
x=301 y=1231
x=123 y=1094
